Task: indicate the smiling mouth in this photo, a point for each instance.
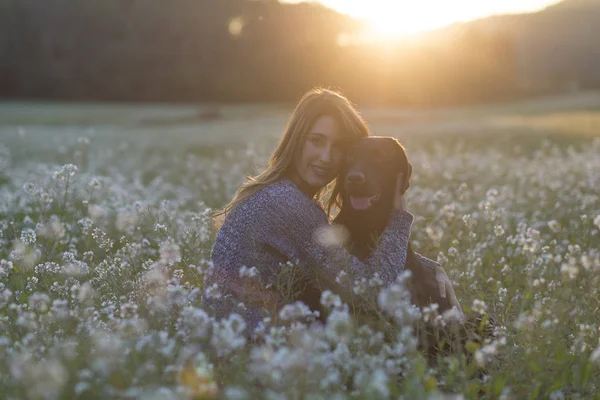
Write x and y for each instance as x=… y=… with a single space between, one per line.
x=362 y=203
x=320 y=171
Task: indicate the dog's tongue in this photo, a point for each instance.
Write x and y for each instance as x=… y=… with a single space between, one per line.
x=360 y=203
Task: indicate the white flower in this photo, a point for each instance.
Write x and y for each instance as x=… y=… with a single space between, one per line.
x=330 y=300
x=342 y=277
x=295 y=311
x=360 y=286
x=498 y=230
x=169 y=253
x=28 y=236
x=228 y=335
x=557 y=395
x=53 y=229
x=570 y=269
x=96 y=212
x=339 y=327
x=126 y=221
x=554 y=225
x=235 y=393
x=246 y=272
x=595 y=356
x=65 y=172
x=29 y=187
x=212 y=292
x=479 y=306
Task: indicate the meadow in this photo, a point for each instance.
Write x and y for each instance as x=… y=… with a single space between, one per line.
x=105 y=236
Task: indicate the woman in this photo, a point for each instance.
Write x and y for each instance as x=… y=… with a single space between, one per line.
x=274 y=217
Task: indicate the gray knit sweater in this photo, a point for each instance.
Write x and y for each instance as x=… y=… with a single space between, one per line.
x=276 y=225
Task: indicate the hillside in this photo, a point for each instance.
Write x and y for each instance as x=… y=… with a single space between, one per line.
x=555 y=46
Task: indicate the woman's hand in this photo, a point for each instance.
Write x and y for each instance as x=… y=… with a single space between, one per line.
x=399 y=200
x=430 y=284
x=447 y=292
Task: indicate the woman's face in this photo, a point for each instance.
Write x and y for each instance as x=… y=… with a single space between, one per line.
x=321 y=157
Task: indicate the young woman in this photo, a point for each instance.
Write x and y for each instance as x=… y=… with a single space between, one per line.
x=275 y=218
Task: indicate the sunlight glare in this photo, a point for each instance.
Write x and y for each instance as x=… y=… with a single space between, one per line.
x=392 y=19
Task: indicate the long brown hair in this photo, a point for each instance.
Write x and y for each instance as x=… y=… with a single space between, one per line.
x=314 y=103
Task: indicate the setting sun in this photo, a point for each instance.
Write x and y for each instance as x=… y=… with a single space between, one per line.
x=393 y=19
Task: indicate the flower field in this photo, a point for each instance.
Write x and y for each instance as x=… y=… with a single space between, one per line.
x=105 y=236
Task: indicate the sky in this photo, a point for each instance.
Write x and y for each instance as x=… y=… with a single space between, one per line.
x=395 y=18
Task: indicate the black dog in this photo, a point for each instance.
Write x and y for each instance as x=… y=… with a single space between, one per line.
x=368 y=186
x=369 y=183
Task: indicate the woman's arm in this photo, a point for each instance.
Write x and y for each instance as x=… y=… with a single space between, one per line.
x=293 y=222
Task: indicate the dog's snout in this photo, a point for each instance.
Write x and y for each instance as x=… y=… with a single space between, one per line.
x=355 y=177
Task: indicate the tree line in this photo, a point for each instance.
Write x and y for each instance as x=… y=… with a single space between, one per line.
x=233 y=51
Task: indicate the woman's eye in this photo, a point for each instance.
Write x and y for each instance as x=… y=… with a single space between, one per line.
x=315 y=140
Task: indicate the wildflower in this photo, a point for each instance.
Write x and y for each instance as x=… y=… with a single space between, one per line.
x=246 y=272
x=39 y=302
x=453 y=316
x=595 y=356
x=360 y=286
x=160 y=227
x=597 y=221
x=557 y=395
x=235 y=393
x=453 y=252
x=228 y=335
x=376 y=281
x=212 y=292
x=485 y=355
x=554 y=225
x=342 y=277
x=295 y=311
x=53 y=229
x=375 y=385
x=395 y=301
x=155 y=276
x=46 y=197
x=29 y=188
x=330 y=300
x=198 y=377
x=339 y=327
x=169 y=253
x=83 y=292
x=28 y=236
x=96 y=212
x=126 y=221
x=524 y=322
x=65 y=172
x=498 y=231
x=479 y=306
x=569 y=270
x=196 y=321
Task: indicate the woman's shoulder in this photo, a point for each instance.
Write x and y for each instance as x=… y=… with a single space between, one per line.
x=282 y=196
x=283 y=192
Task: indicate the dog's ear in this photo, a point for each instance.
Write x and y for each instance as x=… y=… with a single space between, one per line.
x=403 y=165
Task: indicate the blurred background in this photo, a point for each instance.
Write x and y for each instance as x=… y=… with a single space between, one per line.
x=405 y=53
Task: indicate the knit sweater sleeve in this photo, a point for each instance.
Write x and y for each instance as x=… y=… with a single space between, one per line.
x=295 y=223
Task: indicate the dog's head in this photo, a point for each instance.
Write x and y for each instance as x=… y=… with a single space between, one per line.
x=370 y=172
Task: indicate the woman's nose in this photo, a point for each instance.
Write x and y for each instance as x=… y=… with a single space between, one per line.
x=326 y=154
